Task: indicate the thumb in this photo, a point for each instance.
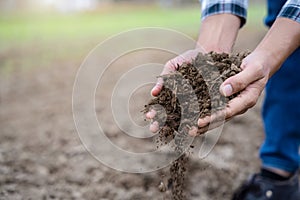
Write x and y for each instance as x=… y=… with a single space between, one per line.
x=240 y=81
x=170 y=66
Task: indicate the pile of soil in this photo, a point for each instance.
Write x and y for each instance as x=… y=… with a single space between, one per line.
x=190 y=93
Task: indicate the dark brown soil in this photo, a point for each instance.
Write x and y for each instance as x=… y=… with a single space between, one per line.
x=189 y=93
x=192 y=92
x=41 y=156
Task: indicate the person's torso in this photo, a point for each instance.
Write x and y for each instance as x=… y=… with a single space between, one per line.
x=274 y=7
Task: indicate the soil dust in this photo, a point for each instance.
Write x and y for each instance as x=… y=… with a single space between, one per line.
x=189 y=93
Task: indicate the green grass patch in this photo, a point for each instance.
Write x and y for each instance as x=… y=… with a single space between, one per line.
x=55 y=26
x=33 y=39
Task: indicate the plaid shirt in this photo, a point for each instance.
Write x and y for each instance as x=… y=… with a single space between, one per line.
x=290 y=10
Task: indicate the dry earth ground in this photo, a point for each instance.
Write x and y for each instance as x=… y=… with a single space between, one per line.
x=41 y=156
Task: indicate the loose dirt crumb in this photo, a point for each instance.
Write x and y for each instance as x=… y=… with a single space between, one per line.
x=189 y=93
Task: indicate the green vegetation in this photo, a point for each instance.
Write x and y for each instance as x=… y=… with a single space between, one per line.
x=21 y=27
x=72 y=26
x=35 y=39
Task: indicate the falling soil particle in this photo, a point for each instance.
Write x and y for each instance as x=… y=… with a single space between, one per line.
x=190 y=93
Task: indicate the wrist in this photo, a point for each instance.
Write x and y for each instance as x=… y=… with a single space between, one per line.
x=264 y=60
x=280 y=41
x=214 y=47
x=218 y=32
x=214 y=43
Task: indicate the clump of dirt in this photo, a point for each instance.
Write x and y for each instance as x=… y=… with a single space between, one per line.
x=190 y=93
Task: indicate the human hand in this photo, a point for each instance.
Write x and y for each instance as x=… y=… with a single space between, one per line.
x=280 y=41
x=170 y=66
x=217 y=33
x=250 y=82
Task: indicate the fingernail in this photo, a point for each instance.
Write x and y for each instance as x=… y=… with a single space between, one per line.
x=151 y=114
x=227 y=90
x=154 y=127
x=154 y=91
x=202 y=122
x=193 y=131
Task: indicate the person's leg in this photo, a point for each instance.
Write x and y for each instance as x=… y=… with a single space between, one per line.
x=281 y=116
x=280 y=152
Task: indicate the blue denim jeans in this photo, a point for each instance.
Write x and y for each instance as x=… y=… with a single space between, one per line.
x=281 y=110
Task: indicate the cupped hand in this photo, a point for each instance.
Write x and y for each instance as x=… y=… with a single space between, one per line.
x=171 y=66
x=250 y=82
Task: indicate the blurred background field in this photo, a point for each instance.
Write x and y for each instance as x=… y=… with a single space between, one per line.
x=52 y=33
x=42 y=44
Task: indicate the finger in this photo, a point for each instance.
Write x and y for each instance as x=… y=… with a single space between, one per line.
x=154 y=127
x=236 y=106
x=218 y=116
x=169 y=67
x=243 y=102
x=211 y=122
x=151 y=114
x=216 y=124
x=172 y=65
x=157 y=88
x=211 y=126
x=241 y=80
x=193 y=131
x=202 y=122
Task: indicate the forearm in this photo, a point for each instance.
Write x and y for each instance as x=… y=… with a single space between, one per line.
x=218 y=32
x=281 y=40
x=221 y=21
